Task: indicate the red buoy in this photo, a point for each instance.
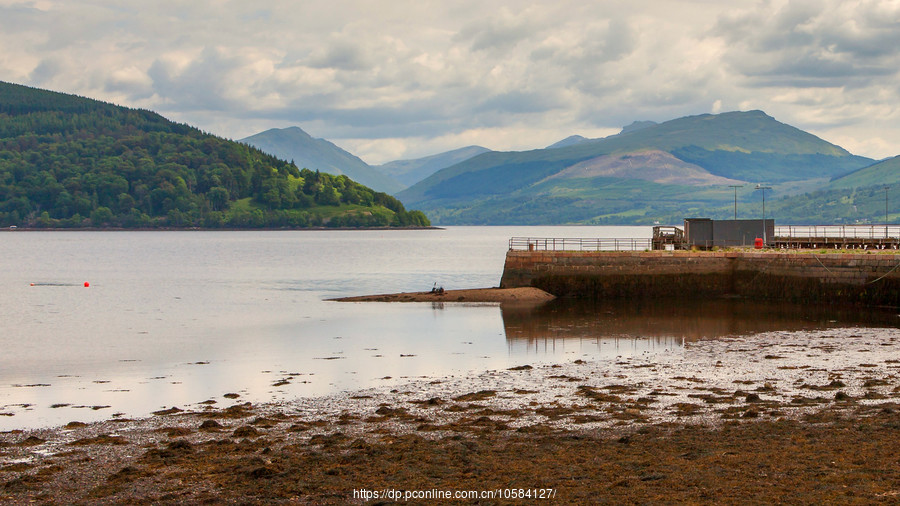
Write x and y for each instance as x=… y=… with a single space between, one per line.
x=86 y=284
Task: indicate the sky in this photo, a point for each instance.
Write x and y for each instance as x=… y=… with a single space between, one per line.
x=398 y=79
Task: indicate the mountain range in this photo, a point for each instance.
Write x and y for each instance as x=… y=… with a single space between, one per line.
x=72 y=161
x=294 y=144
x=647 y=173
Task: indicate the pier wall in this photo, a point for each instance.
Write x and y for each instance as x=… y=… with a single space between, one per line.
x=800 y=277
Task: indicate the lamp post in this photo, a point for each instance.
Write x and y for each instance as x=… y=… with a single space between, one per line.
x=735 y=186
x=886 y=187
x=763 y=188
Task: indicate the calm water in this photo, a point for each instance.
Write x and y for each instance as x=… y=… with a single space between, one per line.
x=176 y=318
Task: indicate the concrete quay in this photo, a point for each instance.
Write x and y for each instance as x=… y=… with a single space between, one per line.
x=858 y=278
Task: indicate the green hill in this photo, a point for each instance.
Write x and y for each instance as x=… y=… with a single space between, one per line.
x=885 y=172
x=857 y=197
x=637 y=176
x=834 y=207
x=294 y=144
x=68 y=161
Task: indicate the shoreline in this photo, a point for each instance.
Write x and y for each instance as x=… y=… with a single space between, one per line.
x=807 y=416
x=203 y=229
x=519 y=295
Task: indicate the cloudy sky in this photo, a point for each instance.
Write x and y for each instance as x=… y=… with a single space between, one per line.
x=403 y=79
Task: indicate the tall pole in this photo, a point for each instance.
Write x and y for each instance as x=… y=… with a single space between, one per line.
x=735 y=186
x=886 y=211
x=763 y=188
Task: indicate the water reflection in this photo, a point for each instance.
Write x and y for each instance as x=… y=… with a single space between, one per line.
x=637 y=326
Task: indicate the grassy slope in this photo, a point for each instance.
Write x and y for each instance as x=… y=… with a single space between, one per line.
x=886 y=172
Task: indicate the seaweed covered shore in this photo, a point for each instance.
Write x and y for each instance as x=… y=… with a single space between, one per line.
x=807 y=416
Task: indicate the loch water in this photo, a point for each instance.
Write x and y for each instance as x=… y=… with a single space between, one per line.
x=175 y=318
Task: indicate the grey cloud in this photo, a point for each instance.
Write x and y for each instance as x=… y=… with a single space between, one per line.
x=613 y=44
x=16 y=17
x=341 y=55
x=201 y=85
x=520 y=102
x=812 y=44
x=595 y=46
x=45 y=72
x=543 y=53
x=495 y=34
x=815 y=70
x=416 y=120
x=136 y=89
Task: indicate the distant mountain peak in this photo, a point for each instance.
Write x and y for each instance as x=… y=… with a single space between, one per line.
x=568 y=141
x=293 y=143
x=637 y=125
x=292 y=129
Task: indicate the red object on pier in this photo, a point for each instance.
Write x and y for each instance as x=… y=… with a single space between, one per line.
x=86 y=284
x=758 y=244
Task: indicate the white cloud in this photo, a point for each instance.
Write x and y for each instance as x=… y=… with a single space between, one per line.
x=402 y=78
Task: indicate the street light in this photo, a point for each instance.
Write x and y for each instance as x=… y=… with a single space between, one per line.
x=763 y=188
x=735 y=186
x=886 y=211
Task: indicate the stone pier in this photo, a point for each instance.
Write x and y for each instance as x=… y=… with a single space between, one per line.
x=807 y=276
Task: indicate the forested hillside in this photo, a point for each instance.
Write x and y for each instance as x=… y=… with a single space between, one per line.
x=68 y=161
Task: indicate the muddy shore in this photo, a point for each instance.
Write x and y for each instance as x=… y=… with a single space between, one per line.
x=797 y=417
x=523 y=295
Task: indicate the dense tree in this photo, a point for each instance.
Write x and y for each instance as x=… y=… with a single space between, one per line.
x=67 y=161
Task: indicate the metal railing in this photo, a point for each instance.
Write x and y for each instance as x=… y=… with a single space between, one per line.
x=839 y=231
x=827 y=234
x=578 y=244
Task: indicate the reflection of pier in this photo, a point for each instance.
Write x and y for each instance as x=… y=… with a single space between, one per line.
x=596 y=347
x=635 y=326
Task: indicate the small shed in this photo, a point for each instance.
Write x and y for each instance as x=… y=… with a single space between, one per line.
x=706 y=233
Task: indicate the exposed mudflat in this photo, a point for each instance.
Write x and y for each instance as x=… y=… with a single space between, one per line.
x=798 y=417
x=523 y=295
